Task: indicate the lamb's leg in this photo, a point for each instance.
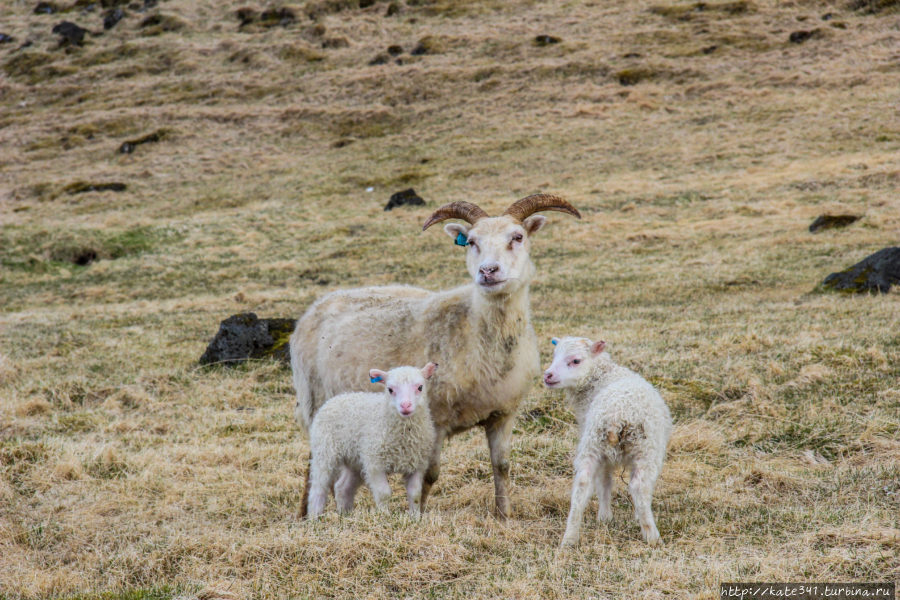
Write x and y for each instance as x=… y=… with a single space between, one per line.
x=381 y=489
x=604 y=483
x=643 y=480
x=319 y=484
x=499 y=438
x=345 y=489
x=434 y=467
x=414 y=492
x=582 y=487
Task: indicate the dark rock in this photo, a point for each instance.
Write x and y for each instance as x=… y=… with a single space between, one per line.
x=112 y=17
x=81 y=187
x=246 y=16
x=381 y=59
x=395 y=50
x=392 y=9
x=546 y=40
x=366 y=3
x=419 y=50
x=244 y=336
x=709 y=49
x=832 y=222
x=335 y=42
x=875 y=273
x=129 y=146
x=6 y=39
x=45 y=8
x=407 y=197
x=632 y=55
x=69 y=33
x=160 y=23
x=798 y=37
x=277 y=16
x=827 y=16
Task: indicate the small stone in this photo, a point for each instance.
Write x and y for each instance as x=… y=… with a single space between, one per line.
x=395 y=50
x=45 y=8
x=381 y=59
x=419 y=50
x=70 y=33
x=875 y=273
x=798 y=37
x=6 y=39
x=244 y=336
x=112 y=17
x=246 y=16
x=709 y=49
x=129 y=146
x=546 y=40
x=407 y=197
x=823 y=222
x=392 y=9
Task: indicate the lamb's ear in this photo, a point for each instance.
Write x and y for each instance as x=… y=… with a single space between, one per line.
x=428 y=370
x=534 y=223
x=459 y=233
x=597 y=347
x=554 y=341
x=377 y=376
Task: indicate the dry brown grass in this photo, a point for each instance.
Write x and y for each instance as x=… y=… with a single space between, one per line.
x=125 y=469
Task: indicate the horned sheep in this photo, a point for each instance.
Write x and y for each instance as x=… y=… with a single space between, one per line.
x=622 y=421
x=480 y=333
x=367 y=436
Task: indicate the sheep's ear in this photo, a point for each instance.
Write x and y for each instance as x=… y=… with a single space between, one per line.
x=428 y=370
x=554 y=341
x=459 y=233
x=597 y=347
x=377 y=376
x=534 y=223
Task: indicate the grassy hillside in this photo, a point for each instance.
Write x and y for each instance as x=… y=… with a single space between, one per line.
x=699 y=143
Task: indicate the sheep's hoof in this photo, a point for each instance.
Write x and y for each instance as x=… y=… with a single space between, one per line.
x=569 y=542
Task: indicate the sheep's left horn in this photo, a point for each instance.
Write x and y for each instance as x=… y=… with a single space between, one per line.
x=456 y=210
x=524 y=208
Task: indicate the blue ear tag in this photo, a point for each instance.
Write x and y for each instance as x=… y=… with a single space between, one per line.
x=554 y=342
x=461 y=239
x=375 y=379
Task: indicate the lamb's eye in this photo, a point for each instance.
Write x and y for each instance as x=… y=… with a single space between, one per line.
x=420 y=388
x=576 y=361
x=390 y=390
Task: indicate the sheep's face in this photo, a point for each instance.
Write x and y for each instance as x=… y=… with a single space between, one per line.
x=571 y=360
x=405 y=386
x=497 y=251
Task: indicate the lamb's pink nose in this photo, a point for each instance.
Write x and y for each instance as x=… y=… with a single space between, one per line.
x=548 y=377
x=406 y=407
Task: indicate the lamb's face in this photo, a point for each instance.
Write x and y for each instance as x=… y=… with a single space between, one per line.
x=498 y=251
x=405 y=386
x=571 y=360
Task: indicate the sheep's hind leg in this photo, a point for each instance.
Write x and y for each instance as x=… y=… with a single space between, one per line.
x=643 y=480
x=434 y=468
x=582 y=487
x=414 y=492
x=604 y=483
x=345 y=489
x=381 y=489
x=499 y=437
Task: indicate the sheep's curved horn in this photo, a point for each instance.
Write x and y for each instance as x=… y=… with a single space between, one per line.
x=456 y=210
x=524 y=208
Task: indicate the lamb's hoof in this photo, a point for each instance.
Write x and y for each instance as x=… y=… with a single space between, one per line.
x=653 y=539
x=569 y=542
x=604 y=516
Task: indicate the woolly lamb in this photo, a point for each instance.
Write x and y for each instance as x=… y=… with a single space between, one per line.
x=370 y=435
x=480 y=333
x=622 y=421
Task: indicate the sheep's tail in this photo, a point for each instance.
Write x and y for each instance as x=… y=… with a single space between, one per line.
x=304 y=502
x=303 y=407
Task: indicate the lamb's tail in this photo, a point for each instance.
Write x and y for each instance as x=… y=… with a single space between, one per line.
x=304 y=502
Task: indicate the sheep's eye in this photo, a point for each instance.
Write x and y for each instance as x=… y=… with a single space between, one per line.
x=390 y=390
x=420 y=388
x=576 y=361
x=517 y=237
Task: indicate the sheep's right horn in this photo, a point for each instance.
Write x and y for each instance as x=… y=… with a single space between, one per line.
x=521 y=209
x=456 y=210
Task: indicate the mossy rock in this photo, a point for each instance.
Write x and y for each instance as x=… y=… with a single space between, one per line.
x=874 y=274
x=244 y=336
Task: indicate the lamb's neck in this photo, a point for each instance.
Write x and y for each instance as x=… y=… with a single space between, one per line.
x=399 y=426
x=603 y=372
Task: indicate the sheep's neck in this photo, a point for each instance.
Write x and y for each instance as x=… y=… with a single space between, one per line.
x=508 y=314
x=603 y=372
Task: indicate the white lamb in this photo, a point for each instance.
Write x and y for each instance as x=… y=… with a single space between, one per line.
x=622 y=421
x=366 y=436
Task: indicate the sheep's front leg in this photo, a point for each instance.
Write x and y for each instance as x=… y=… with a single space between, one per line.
x=499 y=438
x=434 y=467
x=381 y=489
x=581 y=495
x=414 y=492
